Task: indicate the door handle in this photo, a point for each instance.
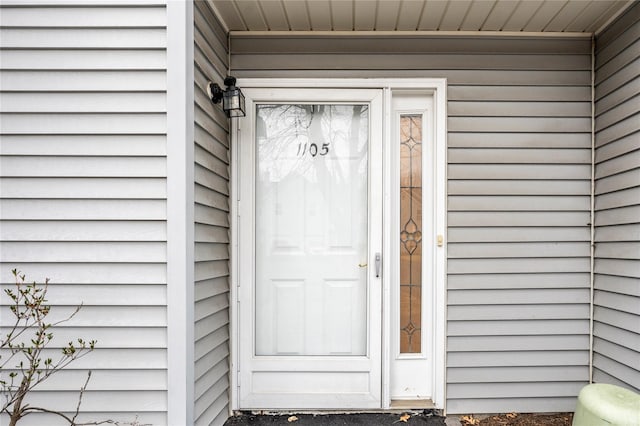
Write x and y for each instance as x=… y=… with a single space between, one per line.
x=378 y=259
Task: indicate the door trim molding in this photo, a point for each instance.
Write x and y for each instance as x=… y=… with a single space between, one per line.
x=439 y=88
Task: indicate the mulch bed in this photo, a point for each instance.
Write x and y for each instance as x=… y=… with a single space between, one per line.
x=425 y=418
x=519 y=419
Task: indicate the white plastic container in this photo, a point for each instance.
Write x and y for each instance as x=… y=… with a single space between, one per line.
x=602 y=404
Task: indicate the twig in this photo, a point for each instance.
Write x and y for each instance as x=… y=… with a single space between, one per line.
x=82 y=389
x=67 y=418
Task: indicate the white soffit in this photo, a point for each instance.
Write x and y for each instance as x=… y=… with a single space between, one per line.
x=509 y=16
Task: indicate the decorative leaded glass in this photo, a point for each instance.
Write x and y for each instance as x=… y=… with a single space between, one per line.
x=410 y=233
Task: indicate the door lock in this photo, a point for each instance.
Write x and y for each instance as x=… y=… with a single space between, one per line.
x=378 y=259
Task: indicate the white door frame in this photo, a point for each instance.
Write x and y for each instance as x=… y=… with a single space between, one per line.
x=439 y=89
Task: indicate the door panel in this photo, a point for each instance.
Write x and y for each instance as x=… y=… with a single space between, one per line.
x=310 y=224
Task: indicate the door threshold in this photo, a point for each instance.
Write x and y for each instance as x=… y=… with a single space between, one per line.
x=407 y=404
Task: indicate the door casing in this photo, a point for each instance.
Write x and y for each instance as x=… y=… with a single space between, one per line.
x=438 y=88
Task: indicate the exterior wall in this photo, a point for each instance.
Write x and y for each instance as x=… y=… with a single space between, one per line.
x=211 y=223
x=519 y=153
x=83 y=165
x=616 y=343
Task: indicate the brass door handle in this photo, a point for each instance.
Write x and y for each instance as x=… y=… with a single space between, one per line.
x=362 y=265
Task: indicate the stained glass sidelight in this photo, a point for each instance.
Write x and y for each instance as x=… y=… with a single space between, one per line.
x=410 y=233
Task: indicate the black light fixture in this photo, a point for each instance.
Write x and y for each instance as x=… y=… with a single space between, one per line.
x=232 y=98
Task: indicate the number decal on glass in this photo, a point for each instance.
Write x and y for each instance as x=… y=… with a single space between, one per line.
x=300 y=154
x=313 y=149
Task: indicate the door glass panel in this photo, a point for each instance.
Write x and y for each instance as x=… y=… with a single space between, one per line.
x=410 y=233
x=311 y=229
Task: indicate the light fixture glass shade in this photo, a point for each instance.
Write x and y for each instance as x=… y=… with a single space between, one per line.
x=233 y=102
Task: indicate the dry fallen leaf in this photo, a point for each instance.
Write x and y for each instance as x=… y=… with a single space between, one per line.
x=512 y=415
x=469 y=420
x=405 y=417
x=292 y=419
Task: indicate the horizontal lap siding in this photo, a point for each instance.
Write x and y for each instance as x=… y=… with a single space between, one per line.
x=211 y=224
x=519 y=166
x=83 y=194
x=616 y=332
x=518 y=253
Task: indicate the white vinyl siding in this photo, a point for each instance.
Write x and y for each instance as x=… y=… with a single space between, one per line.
x=519 y=166
x=211 y=224
x=83 y=193
x=616 y=329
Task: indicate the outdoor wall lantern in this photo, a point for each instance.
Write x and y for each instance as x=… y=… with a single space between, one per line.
x=232 y=98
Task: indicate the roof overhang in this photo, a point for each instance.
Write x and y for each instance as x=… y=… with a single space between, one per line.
x=375 y=18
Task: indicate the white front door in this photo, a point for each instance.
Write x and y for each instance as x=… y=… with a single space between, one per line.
x=310 y=216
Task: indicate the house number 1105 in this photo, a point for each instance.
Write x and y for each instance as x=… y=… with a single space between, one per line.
x=312 y=149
